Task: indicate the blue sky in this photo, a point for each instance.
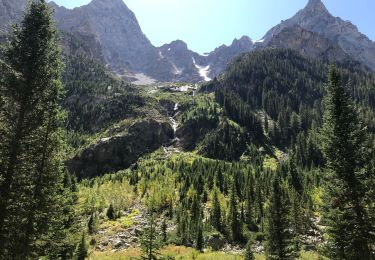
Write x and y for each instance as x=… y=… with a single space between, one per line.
x=206 y=24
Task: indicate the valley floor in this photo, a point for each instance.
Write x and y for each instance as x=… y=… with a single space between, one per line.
x=181 y=252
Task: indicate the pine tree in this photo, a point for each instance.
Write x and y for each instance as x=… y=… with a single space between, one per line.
x=149 y=242
x=64 y=236
x=195 y=212
x=199 y=235
x=344 y=146
x=110 y=212
x=249 y=255
x=81 y=252
x=91 y=224
x=235 y=225
x=280 y=243
x=164 y=230
x=32 y=193
x=216 y=211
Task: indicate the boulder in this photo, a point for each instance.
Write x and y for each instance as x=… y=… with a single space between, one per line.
x=215 y=241
x=118 y=243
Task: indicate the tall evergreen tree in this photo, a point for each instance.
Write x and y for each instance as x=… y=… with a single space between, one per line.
x=164 y=230
x=111 y=212
x=199 y=234
x=280 y=244
x=235 y=225
x=216 y=211
x=149 y=242
x=31 y=168
x=344 y=141
x=81 y=252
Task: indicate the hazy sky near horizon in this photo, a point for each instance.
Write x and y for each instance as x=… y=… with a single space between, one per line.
x=206 y=24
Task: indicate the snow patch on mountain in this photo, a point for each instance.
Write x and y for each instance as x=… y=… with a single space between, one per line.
x=203 y=71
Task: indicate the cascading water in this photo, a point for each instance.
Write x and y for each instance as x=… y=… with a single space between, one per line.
x=174 y=123
x=173 y=145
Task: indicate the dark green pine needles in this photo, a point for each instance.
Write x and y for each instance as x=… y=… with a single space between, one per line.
x=345 y=147
x=34 y=199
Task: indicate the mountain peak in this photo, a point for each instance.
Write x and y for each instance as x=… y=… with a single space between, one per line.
x=316 y=5
x=244 y=38
x=108 y=3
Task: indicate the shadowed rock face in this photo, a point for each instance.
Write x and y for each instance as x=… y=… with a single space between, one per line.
x=309 y=43
x=10 y=12
x=121 y=150
x=222 y=56
x=316 y=18
x=117 y=29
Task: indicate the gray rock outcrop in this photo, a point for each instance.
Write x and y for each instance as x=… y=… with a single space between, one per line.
x=315 y=18
x=122 y=149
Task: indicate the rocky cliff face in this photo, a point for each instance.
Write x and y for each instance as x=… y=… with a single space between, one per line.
x=221 y=56
x=190 y=66
x=128 y=51
x=116 y=28
x=10 y=12
x=182 y=60
x=309 y=43
x=316 y=19
x=121 y=149
x=108 y=30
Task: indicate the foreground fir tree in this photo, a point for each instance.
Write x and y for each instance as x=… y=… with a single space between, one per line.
x=34 y=200
x=280 y=244
x=150 y=243
x=350 y=229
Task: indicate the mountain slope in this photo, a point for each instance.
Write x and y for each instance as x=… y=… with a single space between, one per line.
x=221 y=56
x=335 y=33
x=10 y=11
x=111 y=34
x=109 y=31
x=117 y=29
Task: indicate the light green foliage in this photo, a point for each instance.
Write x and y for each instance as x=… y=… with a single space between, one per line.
x=98 y=197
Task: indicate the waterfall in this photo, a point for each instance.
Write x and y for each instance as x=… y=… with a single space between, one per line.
x=173 y=121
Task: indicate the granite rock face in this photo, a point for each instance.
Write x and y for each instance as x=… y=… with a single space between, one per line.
x=120 y=150
x=315 y=18
x=108 y=31
x=221 y=56
x=10 y=12
x=115 y=26
x=309 y=43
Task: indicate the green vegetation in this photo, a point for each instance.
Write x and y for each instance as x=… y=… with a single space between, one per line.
x=345 y=147
x=268 y=162
x=37 y=217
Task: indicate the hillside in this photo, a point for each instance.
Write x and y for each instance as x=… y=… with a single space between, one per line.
x=260 y=120
x=257 y=150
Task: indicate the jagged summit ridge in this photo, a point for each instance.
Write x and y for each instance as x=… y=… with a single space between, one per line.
x=315 y=18
x=108 y=4
x=316 y=5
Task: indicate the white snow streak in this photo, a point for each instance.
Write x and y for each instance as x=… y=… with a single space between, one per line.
x=203 y=71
